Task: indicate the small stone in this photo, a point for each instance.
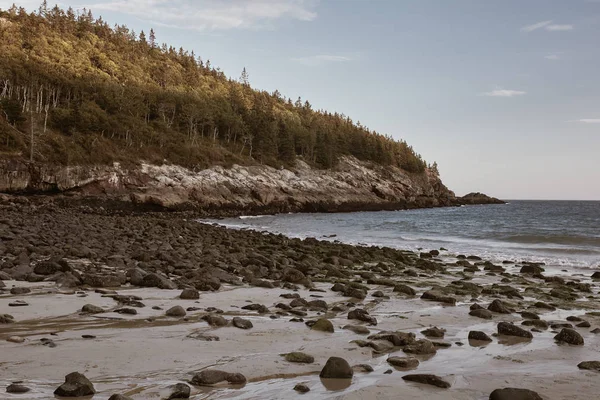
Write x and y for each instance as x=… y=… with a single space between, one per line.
x=336 y=368
x=18 y=303
x=584 y=324
x=388 y=372
x=88 y=336
x=362 y=368
x=434 y=332
x=20 y=290
x=481 y=313
x=16 y=388
x=76 y=385
x=299 y=357
x=569 y=336
x=362 y=315
x=498 y=306
x=301 y=388
x=422 y=346
x=529 y=315
x=215 y=320
x=427 y=379
x=126 y=310
x=16 y=339
x=242 y=323
x=176 y=311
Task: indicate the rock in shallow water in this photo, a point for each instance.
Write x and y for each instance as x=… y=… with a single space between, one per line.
x=514 y=394
x=16 y=388
x=92 y=309
x=403 y=362
x=301 y=388
x=478 y=335
x=76 y=385
x=213 y=376
x=176 y=311
x=336 y=368
x=508 y=329
x=179 y=391
x=189 y=294
x=242 y=323
x=299 y=357
x=323 y=325
x=570 y=336
x=427 y=379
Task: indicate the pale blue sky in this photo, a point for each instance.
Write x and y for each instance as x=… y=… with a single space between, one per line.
x=503 y=94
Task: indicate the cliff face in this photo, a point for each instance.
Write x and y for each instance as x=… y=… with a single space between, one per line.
x=351 y=186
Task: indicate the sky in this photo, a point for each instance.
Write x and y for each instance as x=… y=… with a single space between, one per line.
x=503 y=94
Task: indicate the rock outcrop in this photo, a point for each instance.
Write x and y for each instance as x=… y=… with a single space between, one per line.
x=351 y=186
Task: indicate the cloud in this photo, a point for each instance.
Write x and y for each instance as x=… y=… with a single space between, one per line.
x=552 y=57
x=555 y=27
x=589 y=120
x=547 y=25
x=320 y=59
x=504 y=93
x=201 y=15
x=536 y=26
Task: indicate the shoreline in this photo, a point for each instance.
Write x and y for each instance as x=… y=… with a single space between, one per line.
x=93 y=255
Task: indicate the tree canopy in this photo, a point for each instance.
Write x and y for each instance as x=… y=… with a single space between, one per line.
x=84 y=92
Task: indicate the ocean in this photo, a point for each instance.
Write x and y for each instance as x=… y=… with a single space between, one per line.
x=562 y=234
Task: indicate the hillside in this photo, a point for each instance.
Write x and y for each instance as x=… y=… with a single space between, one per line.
x=95 y=94
x=97 y=112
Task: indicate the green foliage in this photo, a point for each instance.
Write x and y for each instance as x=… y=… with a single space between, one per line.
x=93 y=88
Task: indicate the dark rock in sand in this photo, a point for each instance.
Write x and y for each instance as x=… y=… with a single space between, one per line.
x=336 y=368
x=159 y=281
x=179 y=391
x=569 y=336
x=508 y=329
x=189 y=294
x=76 y=385
x=215 y=320
x=498 y=306
x=119 y=397
x=583 y=324
x=403 y=362
x=514 y=394
x=574 y=318
x=359 y=329
x=355 y=293
x=261 y=309
x=531 y=269
x=478 y=335
x=20 y=290
x=301 y=388
x=17 y=389
x=323 y=325
x=293 y=275
x=378 y=293
x=213 y=376
x=92 y=309
x=299 y=357
x=362 y=315
x=560 y=325
x=6 y=319
x=546 y=306
x=362 y=368
x=404 y=289
x=538 y=323
x=481 y=313
x=318 y=305
x=435 y=295
x=242 y=323
x=434 y=332
x=126 y=310
x=422 y=346
x=529 y=315
x=427 y=379
x=593 y=365
x=18 y=303
x=176 y=311
x=396 y=338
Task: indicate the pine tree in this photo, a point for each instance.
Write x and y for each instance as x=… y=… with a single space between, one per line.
x=244 y=78
x=152 y=38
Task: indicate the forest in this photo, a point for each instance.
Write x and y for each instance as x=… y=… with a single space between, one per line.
x=74 y=90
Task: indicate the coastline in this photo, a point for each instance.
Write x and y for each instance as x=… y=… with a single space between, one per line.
x=93 y=254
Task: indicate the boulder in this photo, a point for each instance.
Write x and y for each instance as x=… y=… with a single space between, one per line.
x=570 y=336
x=593 y=365
x=508 y=329
x=514 y=394
x=478 y=335
x=336 y=368
x=189 y=294
x=242 y=323
x=323 y=325
x=176 y=311
x=403 y=362
x=92 y=309
x=76 y=385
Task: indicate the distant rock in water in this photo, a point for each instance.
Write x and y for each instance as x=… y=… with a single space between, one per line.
x=478 y=198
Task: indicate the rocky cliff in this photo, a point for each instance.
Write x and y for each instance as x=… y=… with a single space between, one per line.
x=351 y=186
